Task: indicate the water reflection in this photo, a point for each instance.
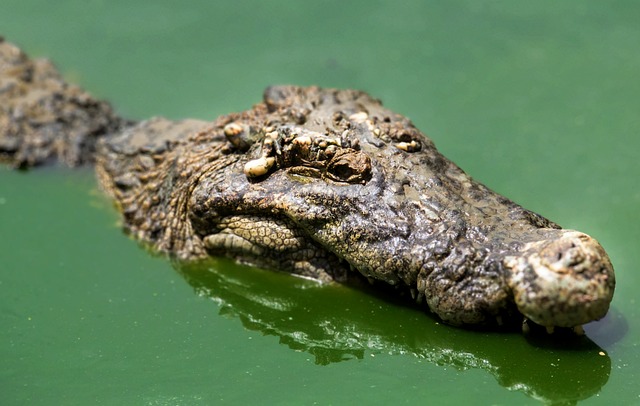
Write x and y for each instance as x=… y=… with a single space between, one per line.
x=335 y=323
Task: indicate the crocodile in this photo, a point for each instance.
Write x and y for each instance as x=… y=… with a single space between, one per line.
x=322 y=183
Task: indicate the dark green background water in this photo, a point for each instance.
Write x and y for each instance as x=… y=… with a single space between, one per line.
x=539 y=100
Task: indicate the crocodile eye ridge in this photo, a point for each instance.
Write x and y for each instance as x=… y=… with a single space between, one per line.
x=349 y=166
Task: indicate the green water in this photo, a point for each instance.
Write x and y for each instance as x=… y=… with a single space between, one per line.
x=539 y=100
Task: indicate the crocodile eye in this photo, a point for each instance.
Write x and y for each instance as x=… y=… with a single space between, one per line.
x=350 y=167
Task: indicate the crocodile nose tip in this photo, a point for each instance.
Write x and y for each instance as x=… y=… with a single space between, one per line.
x=566 y=280
x=574 y=252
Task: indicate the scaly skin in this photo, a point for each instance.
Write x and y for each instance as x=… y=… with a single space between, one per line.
x=43 y=118
x=329 y=184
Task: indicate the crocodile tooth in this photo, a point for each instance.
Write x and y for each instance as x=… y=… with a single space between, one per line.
x=550 y=329
x=525 y=326
x=413 y=293
x=579 y=330
x=420 y=298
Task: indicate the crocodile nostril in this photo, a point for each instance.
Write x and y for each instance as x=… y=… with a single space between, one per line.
x=574 y=257
x=564 y=255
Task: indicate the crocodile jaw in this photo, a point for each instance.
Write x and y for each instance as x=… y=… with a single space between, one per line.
x=564 y=281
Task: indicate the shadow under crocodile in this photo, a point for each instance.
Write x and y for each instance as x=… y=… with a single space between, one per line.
x=334 y=324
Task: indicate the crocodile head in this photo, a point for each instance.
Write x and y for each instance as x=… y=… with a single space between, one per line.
x=330 y=180
x=331 y=185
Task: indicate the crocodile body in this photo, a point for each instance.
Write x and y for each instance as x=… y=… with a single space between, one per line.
x=43 y=118
x=329 y=184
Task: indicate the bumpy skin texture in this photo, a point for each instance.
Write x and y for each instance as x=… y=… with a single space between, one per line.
x=323 y=183
x=329 y=184
x=44 y=119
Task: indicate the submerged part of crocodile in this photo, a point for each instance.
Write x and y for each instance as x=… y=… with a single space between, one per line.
x=329 y=184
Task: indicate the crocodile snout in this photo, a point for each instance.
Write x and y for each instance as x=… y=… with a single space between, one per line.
x=565 y=280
